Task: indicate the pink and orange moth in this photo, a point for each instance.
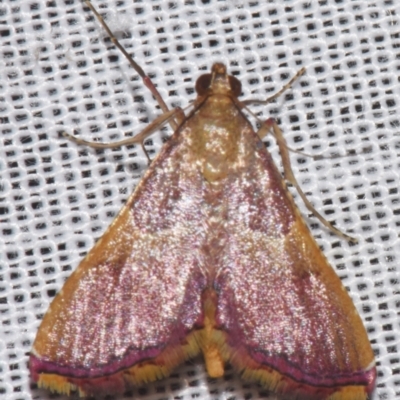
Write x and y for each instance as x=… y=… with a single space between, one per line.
x=209 y=255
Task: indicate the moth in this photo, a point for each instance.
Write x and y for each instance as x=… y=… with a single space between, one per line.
x=209 y=255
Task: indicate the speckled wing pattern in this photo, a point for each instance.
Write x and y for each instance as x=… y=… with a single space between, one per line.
x=137 y=295
x=282 y=306
x=211 y=255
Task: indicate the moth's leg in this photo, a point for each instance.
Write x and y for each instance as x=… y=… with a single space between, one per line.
x=146 y=79
x=289 y=176
x=158 y=123
x=284 y=88
x=265 y=129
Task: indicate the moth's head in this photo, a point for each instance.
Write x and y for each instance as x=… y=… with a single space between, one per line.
x=218 y=81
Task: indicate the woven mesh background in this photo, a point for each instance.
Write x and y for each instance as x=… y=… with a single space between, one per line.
x=58 y=72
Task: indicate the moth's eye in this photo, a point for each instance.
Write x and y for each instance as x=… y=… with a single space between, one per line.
x=236 y=86
x=203 y=84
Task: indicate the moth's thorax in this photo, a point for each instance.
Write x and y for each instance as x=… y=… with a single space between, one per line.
x=216 y=133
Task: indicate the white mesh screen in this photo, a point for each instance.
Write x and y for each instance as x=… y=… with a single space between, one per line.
x=59 y=73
